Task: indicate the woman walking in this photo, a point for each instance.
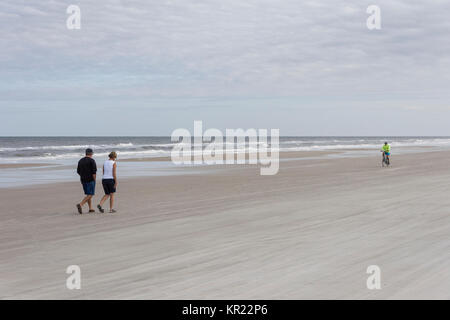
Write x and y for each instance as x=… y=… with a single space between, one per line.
x=109 y=182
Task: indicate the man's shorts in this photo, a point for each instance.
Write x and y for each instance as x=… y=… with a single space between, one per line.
x=387 y=153
x=89 y=188
x=108 y=185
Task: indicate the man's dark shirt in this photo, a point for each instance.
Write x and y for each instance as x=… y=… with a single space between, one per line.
x=86 y=168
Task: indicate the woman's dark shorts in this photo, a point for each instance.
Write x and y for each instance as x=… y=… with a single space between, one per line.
x=108 y=186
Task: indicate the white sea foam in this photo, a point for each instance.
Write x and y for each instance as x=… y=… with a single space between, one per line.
x=68 y=147
x=37 y=150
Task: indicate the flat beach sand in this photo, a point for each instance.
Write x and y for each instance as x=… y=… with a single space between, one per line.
x=309 y=232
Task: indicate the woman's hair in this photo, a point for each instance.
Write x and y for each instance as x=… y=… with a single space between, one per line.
x=113 y=155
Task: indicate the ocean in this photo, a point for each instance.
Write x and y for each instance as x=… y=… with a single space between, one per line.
x=61 y=149
x=36 y=160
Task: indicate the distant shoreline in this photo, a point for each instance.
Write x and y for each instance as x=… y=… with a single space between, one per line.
x=14 y=175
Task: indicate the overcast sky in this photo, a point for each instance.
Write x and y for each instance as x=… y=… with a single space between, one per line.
x=143 y=67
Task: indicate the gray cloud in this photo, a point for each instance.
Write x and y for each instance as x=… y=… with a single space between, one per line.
x=141 y=50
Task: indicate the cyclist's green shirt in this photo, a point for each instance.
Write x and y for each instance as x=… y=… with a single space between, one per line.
x=386 y=148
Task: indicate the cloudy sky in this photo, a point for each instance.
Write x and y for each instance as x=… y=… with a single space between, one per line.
x=147 y=67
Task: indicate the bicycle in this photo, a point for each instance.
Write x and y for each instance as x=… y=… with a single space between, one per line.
x=385 y=161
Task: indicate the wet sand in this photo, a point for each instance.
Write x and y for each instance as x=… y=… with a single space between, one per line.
x=308 y=232
x=22 y=165
x=283 y=155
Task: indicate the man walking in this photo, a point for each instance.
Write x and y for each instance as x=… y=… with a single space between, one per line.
x=87 y=169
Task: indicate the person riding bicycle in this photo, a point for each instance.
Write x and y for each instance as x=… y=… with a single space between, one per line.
x=386 y=149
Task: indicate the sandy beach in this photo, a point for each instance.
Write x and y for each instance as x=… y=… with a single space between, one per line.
x=284 y=155
x=309 y=232
x=21 y=165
